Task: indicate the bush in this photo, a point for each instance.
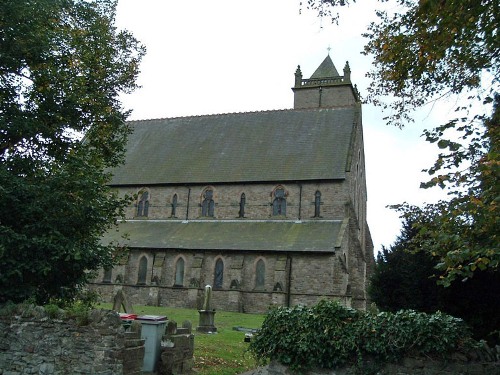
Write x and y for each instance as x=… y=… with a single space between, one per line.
x=329 y=335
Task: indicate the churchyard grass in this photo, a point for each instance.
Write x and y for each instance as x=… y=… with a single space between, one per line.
x=223 y=353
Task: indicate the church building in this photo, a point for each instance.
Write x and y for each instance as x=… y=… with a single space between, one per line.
x=269 y=208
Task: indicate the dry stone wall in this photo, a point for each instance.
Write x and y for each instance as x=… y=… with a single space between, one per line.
x=37 y=344
x=407 y=366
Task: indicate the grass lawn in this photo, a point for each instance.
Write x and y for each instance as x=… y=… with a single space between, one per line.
x=223 y=353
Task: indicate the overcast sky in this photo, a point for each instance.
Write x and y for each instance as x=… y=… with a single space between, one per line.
x=223 y=56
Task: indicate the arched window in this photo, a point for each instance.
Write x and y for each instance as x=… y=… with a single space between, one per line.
x=242 y=205
x=143 y=204
x=208 y=204
x=179 y=272
x=317 y=203
x=219 y=274
x=279 y=202
x=107 y=275
x=260 y=274
x=143 y=271
x=174 y=206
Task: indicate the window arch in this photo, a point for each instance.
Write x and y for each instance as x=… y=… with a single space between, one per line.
x=208 y=204
x=219 y=274
x=317 y=203
x=179 y=272
x=108 y=274
x=143 y=204
x=174 y=206
x=260 y=274
x=142 y=271
x=243 y=199
x=279 y=202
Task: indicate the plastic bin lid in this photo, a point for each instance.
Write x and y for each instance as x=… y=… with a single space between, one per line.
x=155 y=318
x=125 y=316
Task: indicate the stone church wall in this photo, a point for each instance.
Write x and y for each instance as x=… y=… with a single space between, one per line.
x=312 y=277
x=258 y=200
x=340 y=276
x=329 y=97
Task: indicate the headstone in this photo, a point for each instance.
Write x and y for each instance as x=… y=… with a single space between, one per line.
x=208 y=296
x=187 y=325
x=207 y=314
x=119 y=300
x=171 y=328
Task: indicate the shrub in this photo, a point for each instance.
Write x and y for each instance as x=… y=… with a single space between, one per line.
x=329 y=335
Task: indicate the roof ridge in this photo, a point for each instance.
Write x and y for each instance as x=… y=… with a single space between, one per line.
x=241 y=113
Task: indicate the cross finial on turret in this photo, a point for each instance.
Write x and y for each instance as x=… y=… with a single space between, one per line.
x=329 y=49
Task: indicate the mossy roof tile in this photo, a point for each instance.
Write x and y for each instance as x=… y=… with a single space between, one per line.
x=311 y=236
x=284 y=145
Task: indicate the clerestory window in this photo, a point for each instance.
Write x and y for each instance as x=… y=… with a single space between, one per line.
x=174 y=206
x=241 y=213
x=143 y=204
x=279 y=202
x=208 y=204
x=317 y=203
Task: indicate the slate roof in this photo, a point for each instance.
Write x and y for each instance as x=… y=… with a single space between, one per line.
x=285 y=145
x=325 y=70
x=312 y=236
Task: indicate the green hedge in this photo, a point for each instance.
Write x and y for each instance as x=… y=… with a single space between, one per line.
x=329 y=335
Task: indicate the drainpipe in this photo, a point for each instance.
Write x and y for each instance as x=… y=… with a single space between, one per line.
x=187 y=208
x=300 y=202
x=152 y=268
x=289 y=282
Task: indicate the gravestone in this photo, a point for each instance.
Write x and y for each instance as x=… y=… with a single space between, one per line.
x=207 y=314
x=119 y=300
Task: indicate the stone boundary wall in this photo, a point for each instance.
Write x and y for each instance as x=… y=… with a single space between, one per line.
x=457 y=365
x=37 y=344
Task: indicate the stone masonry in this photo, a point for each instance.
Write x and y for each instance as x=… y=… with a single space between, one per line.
x=34 y=343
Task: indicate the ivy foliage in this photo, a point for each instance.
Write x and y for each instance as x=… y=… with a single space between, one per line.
x=329 y=335
x=63 y=66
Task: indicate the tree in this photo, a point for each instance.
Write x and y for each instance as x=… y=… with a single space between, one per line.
x=430 y=50
x=405 y=278
x=403 y=275
x=62 y=66
x=465 y=228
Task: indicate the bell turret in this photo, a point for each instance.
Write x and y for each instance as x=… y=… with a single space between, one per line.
x=326 y=88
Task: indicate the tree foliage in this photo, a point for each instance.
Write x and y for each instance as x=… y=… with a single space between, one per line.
x=404 y=275
x=62 y=66
x=405 y=278
x=463 y=231
x=431 y=49
x=423 y=51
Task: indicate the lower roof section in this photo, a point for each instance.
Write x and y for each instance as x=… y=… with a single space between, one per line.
x=249 y=235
